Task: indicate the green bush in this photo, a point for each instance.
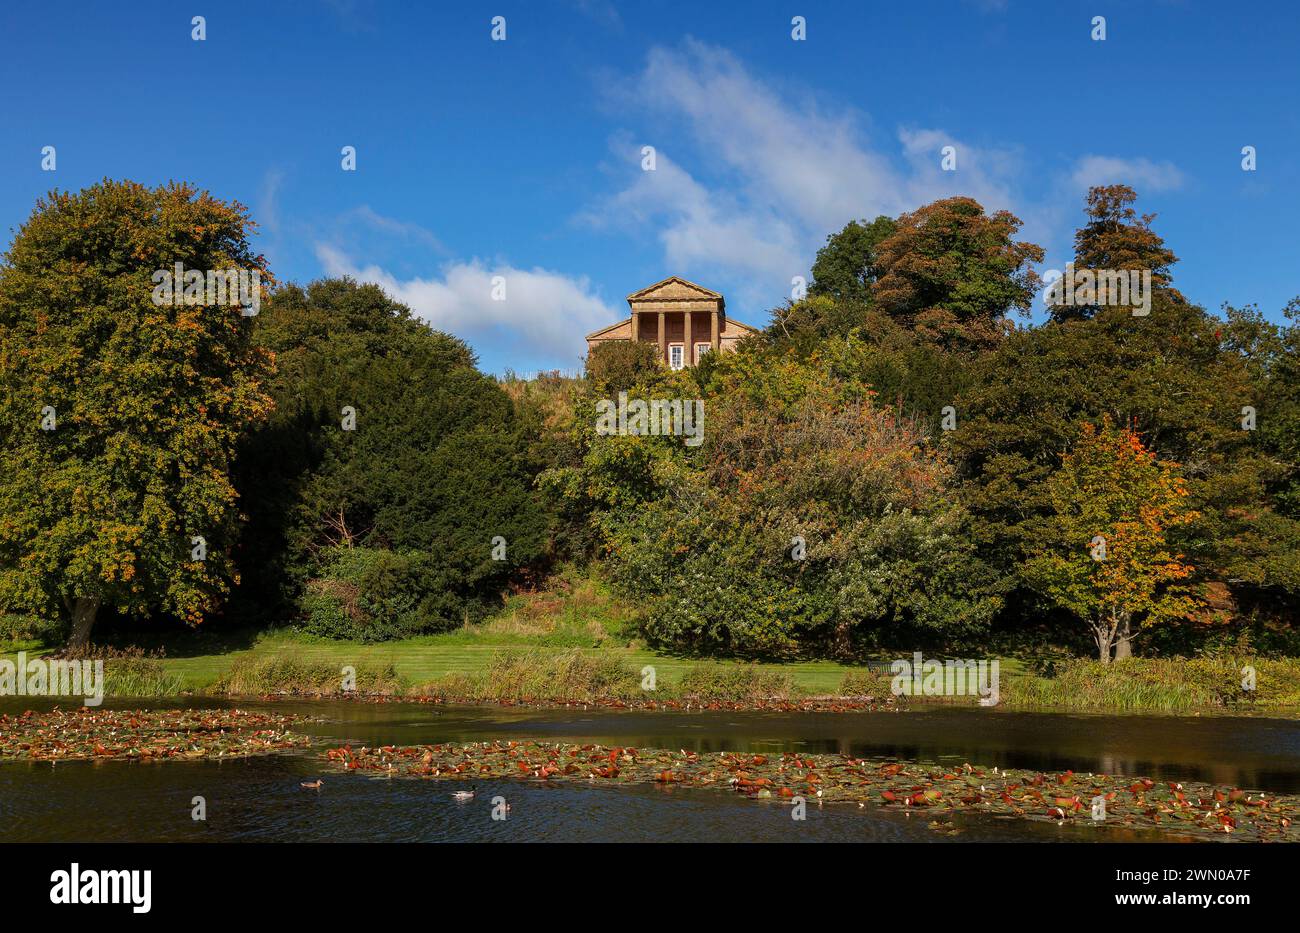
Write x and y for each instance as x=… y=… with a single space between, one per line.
x=867 y=683
x=795 y=453
x=19 y=630
x=567 y=677
x=367 y=594
x=736 y=683
x=288 y=674
x=436 y=466
x=618 y=365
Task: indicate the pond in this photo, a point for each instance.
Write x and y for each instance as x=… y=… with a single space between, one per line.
x=261 y=799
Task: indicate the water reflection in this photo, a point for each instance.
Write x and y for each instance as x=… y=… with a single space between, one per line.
x=261 y=799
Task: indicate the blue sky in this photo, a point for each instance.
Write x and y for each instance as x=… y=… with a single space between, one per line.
x=523 y=158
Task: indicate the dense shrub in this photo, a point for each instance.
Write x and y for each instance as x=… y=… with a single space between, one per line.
x=21 y=628
x=255 y=676
x=436 y=467
x=371 y=595
x=618 y=365
x=736 y=683
x=811 y=521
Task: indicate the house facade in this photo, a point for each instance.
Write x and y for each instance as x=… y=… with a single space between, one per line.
x=683 y=319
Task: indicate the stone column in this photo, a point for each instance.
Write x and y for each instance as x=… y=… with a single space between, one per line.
x=714 y=340
x=688 y=356
x=663 y=340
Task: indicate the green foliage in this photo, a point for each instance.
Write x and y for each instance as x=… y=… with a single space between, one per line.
x=847 y=266
x=20 y=630
x=952 y=273
x=1116 y=237
x=259 y=676
x=618 y=365
x=436 y=468
x=366 y=594
x=792 y=450
x=148 y=400
x=1106 y=556
x=736 y=683
x=1173 y=379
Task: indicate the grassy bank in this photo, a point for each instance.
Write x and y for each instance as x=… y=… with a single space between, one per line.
x=1168 y=685
x=575 y=642
x=569 y=642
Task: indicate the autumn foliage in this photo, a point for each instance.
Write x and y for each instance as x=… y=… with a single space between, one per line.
x=1110 y=560
x=119 y=416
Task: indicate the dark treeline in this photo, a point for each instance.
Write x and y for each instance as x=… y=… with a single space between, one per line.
x=1121 y=476
x=898 y=461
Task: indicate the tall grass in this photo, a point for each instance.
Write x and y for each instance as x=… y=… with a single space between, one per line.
x=735 y=683
x=256 y=676
x=575 y=676
x=567 y=676
x=1159 y=684
x=127 y=676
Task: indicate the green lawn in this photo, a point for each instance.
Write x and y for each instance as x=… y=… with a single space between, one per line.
x=575 y=611
x=421 y=660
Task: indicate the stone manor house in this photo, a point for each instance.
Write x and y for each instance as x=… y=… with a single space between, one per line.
x=683 y=319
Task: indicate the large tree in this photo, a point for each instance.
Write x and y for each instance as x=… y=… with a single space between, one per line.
x=846 y=267
x=1116 y=237
x=954 y=274
x=119 y=409
x=1108 y=557
x=385 y=437
x=1181 y=378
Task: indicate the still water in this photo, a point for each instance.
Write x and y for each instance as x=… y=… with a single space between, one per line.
x=261 y=799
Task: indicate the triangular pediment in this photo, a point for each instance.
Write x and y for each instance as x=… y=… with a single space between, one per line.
x=674 y=288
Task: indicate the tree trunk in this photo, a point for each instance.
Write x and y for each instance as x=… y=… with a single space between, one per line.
x=1124 y=638
x=1103 y=631
x=83 y=620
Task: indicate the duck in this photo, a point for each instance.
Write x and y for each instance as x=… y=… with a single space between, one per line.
x=464 y=794
x=314 y=785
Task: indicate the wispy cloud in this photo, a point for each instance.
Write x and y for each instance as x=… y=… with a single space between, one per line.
x=750 y=179
x=1142 y=174
x=402 y=229
x=542 y=317
x=771 y=174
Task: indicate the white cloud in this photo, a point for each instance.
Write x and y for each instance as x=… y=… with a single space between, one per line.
x=700 y=228
x=541 y=313
x=751 y=179
x=787 y=173
x=786 y=154
x=1142 y=174
x=269 y=201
